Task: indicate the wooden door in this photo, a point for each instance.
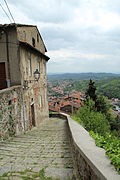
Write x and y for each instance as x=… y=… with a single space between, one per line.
x=33 y=115
x=3 y=83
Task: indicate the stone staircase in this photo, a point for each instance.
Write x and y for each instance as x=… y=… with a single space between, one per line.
x=46 y=148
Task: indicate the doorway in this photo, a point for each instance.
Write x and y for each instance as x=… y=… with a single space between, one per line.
x=3 y=83
x=33 y=115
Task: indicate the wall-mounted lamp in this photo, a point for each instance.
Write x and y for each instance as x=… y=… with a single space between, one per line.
x=36 y=75
x=36 y=78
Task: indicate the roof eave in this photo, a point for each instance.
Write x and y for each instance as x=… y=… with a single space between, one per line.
x=34 y=49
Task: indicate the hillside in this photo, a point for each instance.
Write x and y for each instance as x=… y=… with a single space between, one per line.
x=109 y=87
x=81 y=76
x=107 y=84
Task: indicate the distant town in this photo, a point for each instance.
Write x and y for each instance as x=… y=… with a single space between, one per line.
x=63 y=100
x=63 y=97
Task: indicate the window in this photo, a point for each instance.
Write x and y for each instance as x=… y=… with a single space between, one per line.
x=33 y=42
x=29 y=64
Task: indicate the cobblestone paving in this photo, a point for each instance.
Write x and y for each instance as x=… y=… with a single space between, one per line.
x=46 y=147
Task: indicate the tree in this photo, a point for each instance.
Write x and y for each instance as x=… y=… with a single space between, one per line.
x=101 y=102
x=91 y=91
x=92 y=120
x=102 y=105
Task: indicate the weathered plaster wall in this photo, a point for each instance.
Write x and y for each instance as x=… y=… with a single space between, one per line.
x=36 y=93
x=31 y=97
x=14 y=57
x=3 y=56
x=26 y=33
x=11 y=112
x=10 y=55
x=3 y=52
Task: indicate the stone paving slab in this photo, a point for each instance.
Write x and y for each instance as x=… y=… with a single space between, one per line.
x=44 y=147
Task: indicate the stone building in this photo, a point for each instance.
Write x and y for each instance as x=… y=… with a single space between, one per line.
x=22 y=53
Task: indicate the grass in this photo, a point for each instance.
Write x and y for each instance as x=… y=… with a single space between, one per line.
x=28 y=174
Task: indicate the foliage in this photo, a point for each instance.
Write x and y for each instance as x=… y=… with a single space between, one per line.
x=93 y=120
x=27 y=175
x=112 y=146
x=109 y=87
x=102 y=104
x=97 y=118
x=98 y=125
x=80 y=85
x=91 y=90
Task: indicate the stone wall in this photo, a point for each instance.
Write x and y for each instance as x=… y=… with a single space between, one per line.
x=16 y=115
x=90 y=161
x=11 y=112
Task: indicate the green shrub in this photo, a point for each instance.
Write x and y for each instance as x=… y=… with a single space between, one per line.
x=101 y=125
x=112 y=146
x=92 y=120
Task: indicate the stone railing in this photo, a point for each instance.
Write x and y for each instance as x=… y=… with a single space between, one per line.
x=11 y=112
x=90 y=161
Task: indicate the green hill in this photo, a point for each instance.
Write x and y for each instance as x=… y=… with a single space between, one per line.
x=107 y=84
x=109 y=87
x=81 y=76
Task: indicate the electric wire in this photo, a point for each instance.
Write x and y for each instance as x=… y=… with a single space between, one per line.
x=9 y=11
x=5 y=13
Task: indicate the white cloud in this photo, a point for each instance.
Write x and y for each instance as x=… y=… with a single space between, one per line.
x=62 y=54
x=90 y=17
x=73 y=61
x=83 y=35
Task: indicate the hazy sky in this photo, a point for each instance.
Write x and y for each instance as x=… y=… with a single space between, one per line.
x=80 y=35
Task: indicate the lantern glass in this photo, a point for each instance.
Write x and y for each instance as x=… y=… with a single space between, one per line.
x=36 y=75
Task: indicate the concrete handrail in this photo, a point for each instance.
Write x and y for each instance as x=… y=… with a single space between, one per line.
x=90 y=161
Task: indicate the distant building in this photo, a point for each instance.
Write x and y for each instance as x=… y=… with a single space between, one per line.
x=67 y=104
x=70 y=107
x=22 y=52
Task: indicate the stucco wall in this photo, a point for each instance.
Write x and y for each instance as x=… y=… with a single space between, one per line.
x=36 y=93
x=14 y=58
x=26 y=33
x=11 y=112
x=10 y=55
x=3 y=55
x=31 y=96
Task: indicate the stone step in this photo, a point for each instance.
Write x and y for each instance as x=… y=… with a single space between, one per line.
x=46 y=147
